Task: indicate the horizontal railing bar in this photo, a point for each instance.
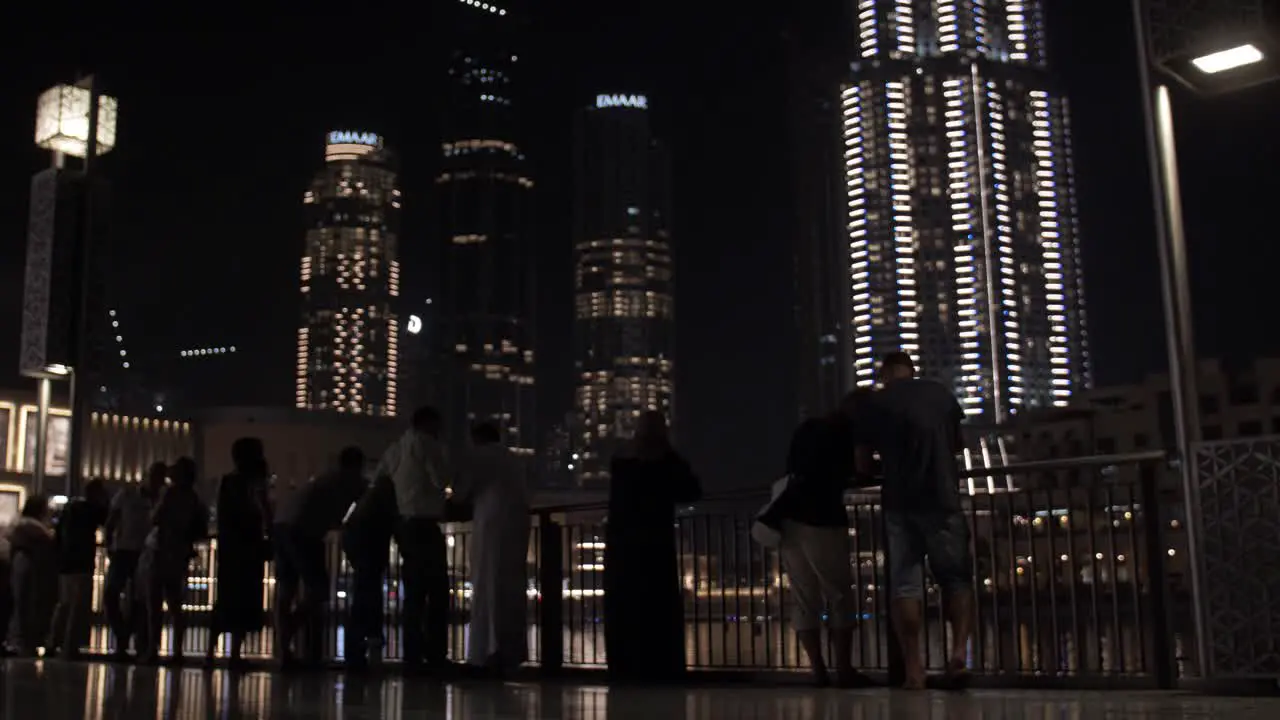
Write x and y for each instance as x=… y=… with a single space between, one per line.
x=1076 y=463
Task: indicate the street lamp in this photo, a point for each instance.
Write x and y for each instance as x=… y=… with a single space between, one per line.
x=71 y=121
x=1210 y=47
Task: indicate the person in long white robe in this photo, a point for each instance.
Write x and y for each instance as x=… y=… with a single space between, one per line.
x=493 y=482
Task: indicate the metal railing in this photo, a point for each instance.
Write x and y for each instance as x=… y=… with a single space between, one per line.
x=1077 y=568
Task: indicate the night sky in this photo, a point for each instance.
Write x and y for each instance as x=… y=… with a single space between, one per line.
x=220 y=130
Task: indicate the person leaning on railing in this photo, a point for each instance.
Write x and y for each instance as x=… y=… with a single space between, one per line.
x=814 y=547
x=418 y=466
x=180 y=520
x=366 y=541
x=302 y=573
x=128 y=524
x=915 y=426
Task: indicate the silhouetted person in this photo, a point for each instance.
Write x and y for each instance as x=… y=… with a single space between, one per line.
x=915 y=426
x=366 y=541
x=243 y=523
x=492 y=480
x=418 y=466
x=815 y=538
x=179 y=521
x=128 y=524
x=34 y=576
x=77 y=536
x=644 y=607
x=301 y=562
x=6 y=589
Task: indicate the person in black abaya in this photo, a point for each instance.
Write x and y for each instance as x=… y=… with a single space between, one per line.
x=643 y=605
x=243 y=522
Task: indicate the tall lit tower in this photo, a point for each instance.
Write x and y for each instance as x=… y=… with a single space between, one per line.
x=962 y=238
x=348 y=336
x=624 y=315
x=486 y=319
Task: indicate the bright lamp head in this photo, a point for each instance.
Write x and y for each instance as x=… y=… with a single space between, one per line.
x=62 y=121
x=1229 y=59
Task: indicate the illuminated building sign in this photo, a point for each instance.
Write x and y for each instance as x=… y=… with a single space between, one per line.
x=639 y=102
x=339 y=137
x=415 y=325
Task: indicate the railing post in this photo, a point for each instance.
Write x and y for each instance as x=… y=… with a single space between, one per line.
x=1159 y=637
x=551 y=590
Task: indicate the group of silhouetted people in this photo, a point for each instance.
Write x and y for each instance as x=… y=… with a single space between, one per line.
x=913 y=425
x=151 y=531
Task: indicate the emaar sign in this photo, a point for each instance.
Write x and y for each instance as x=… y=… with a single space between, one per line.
x=353 y=137
x=639 y=102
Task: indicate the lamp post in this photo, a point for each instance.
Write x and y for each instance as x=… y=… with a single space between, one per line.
x=71 y=121
x=1209 y=46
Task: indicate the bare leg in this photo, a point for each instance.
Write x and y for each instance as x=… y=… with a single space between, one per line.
x=906 y=623
x=811 y=643
x=960 y=613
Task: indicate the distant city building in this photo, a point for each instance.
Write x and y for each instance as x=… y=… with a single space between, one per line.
x=559 y=457
x=118 y=447
x=962 y=242
x=1236 y=401
x=348 y=340
x=624 y=315
x=486 y=335
x=819 y=239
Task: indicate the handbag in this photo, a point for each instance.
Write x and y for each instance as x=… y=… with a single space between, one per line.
x=767 y=528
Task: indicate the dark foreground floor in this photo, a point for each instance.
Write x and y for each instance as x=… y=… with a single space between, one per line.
x=60 y=691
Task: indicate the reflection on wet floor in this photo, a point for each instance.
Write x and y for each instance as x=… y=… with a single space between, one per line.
x=96 y=691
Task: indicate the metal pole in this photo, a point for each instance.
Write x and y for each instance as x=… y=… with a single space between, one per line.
x=79 y=425
x=1177 y=239
x=1171 y=243
x=42 y=435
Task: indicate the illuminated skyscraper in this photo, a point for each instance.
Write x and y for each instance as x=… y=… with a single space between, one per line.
x=349 y=335
x=486 y=319
x=624 y=322
x=962 y=238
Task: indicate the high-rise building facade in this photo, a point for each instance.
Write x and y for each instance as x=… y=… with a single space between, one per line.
x=821 y=289
x=962 y=238
x=348 y=337
x=624 y=300
x=487 y=266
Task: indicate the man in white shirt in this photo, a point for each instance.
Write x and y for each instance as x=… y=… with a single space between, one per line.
x=418 y=466
x=126 y=529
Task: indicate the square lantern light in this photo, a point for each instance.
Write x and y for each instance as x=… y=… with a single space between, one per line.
x=62 y=121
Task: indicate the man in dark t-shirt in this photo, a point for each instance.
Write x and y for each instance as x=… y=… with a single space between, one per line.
x=915 y=426
x=77 y=537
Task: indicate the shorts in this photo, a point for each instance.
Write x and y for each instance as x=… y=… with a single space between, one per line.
x=942 y=538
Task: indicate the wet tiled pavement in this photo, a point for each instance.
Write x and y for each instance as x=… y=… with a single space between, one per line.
x=97 y=691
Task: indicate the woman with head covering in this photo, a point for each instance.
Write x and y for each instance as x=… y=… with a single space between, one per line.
x=243 y=520
x=644 y=608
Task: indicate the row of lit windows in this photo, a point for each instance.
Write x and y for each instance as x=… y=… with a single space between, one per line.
x=624 y=304
x=520 y=180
